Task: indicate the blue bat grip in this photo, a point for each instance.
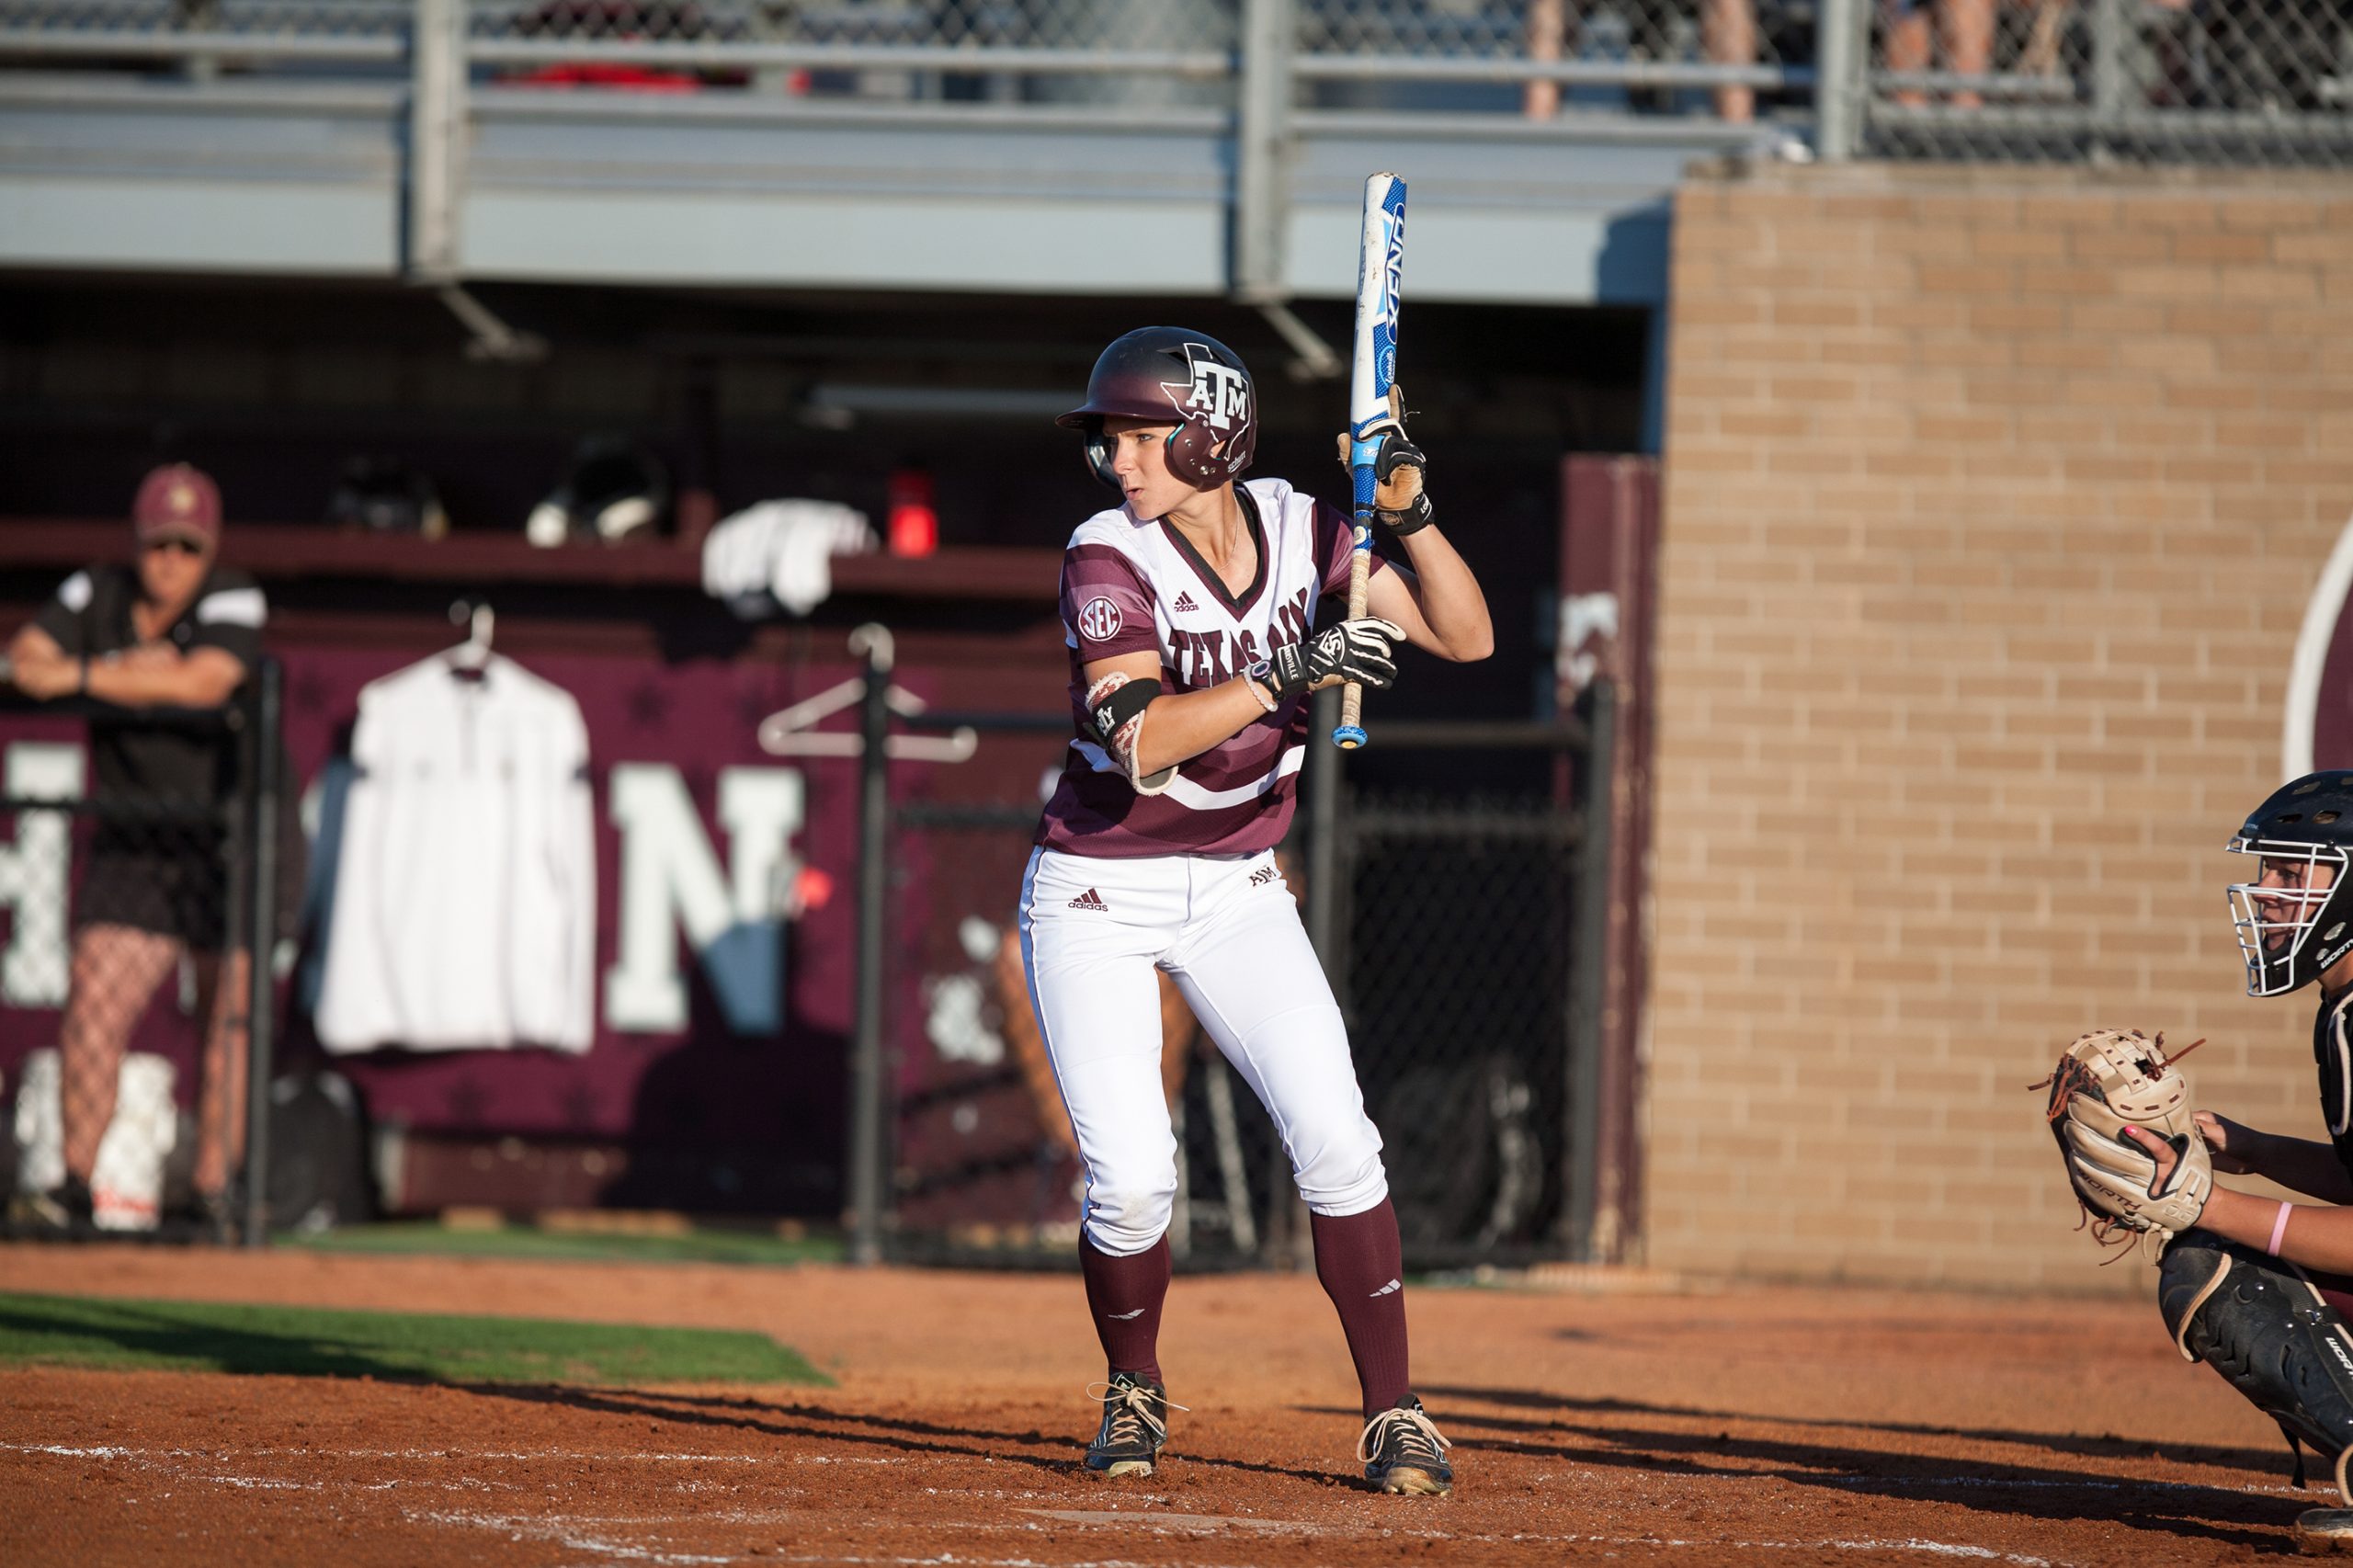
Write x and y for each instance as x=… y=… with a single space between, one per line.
x=1361 y=454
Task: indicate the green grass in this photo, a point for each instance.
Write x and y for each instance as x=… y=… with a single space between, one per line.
x=73 y=1331
x=717 y=1246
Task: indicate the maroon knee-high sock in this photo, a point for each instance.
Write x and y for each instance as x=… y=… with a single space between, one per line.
x=1124 y=1296
x=1362 y=1267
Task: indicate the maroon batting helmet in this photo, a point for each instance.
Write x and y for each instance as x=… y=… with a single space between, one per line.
x=1168 y=373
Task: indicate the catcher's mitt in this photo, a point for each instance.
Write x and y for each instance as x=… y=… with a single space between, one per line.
x=2107 y=1081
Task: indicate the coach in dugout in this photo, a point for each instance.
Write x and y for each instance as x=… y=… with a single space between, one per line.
x=173 y=628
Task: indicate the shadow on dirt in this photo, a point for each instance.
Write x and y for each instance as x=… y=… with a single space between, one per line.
x=2264 y=1459
x=144 y=1334
x=900 y=1433
x=1583 y=1434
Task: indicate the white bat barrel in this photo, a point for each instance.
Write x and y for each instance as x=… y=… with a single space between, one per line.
x=1373 y=370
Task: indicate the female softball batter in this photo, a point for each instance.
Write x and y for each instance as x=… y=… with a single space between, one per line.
x=1190 y=613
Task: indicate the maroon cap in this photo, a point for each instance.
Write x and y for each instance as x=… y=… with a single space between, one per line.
x=177 y=499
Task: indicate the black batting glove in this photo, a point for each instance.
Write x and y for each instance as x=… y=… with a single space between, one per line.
x=1361 y=651
x=1400 y=503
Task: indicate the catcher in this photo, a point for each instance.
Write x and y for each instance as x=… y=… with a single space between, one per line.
x=2259 y=1290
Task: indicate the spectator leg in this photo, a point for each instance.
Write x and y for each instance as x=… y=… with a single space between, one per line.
x=224 y=991
x=1906 y=47
x=116 y=970
x=2040 y=56
x=1547 y=38
x=1728 y=34
x=1967 y=27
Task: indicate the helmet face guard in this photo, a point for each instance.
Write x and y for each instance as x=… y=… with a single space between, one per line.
x=2295 y=919
x=1169 y=375
x=2279 y=924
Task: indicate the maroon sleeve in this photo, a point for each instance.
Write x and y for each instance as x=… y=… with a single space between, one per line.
x=1335 y=541
x=1107 y=605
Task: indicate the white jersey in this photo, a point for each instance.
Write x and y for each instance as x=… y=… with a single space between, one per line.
x=465 y=894
x=1132 y=587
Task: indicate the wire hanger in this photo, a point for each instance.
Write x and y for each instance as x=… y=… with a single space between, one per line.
x=471 y=658
x=787 y=733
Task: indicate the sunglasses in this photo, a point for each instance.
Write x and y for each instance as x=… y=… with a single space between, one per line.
x=184 y=546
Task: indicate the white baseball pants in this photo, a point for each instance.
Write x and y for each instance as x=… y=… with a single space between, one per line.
x=1227 y=931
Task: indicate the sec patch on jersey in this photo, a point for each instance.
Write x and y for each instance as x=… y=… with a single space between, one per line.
x=1098 y=620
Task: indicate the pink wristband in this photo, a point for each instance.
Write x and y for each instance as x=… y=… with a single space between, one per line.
x=2279 y=1229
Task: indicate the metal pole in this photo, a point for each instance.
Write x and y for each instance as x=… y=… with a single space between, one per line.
x=1842 y=74
x=866 y=1108
x=437 y=123
x=261 y=940
x=1323 y=783
x=198 y=17
x=1288 y=1229
x=2108 y=68
x=1262 y=137
x=1588 y=971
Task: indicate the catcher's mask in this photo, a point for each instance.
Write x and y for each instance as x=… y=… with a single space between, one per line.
x=1187 y=379
x=2295 y=918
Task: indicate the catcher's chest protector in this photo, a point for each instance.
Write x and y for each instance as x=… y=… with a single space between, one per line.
x=2333 y=1053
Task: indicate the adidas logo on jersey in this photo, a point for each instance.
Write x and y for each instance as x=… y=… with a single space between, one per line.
x=1184 y=605
x=1090 y=898
x=1263 y=875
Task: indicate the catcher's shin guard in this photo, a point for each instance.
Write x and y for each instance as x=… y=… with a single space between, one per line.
x=2260 y=1323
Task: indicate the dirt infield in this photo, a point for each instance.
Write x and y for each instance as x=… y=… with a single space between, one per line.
x=1742 y=1425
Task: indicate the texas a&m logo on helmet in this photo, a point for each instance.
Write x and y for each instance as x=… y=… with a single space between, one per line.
x=1218 y=396
x=1216 y=426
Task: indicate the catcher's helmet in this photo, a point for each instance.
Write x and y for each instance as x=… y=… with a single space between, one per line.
x=1166 y=372
x=2291 y=922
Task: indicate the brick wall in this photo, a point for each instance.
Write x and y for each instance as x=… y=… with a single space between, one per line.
x=1994 y=500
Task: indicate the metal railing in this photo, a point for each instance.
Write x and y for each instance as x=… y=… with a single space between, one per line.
x=2136 y=79
x=1532 y=58
x=2151 y=81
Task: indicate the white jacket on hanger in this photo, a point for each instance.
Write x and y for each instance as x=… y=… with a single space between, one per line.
x=465 y=899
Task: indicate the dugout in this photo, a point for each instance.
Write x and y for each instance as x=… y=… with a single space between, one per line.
x=744 y=395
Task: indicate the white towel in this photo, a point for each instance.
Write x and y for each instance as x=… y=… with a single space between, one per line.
x=780 y=554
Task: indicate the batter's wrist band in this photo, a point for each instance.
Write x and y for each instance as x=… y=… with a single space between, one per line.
x=2279 y=1228
x=1410 y=518
x=1268 y=682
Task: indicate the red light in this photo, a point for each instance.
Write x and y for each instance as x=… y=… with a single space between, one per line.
x=913 y=525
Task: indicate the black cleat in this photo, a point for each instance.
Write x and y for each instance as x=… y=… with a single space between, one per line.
x=1135 y=1425
x=1403 y=1452
x=64 y=1209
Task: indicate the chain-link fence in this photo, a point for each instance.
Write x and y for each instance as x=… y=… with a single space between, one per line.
x=1455 y=946
x=1544 y=59
x=1005 y=52
x=2155 y=81
x=1529 y=58
x=2135 y=80
x=128 y=1029
x=1453 y=923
